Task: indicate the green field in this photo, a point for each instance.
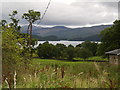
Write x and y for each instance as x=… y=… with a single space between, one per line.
x=48 y=73
x=97 y=58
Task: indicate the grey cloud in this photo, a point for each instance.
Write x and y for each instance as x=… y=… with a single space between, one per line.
x=80 y=14
x=97 y=0
x=77 y=13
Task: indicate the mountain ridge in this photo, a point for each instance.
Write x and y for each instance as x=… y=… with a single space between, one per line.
x=62 y=32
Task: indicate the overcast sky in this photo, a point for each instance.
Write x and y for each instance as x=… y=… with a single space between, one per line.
x=71 y=13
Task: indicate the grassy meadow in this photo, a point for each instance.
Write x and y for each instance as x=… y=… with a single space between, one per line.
x=49 y=73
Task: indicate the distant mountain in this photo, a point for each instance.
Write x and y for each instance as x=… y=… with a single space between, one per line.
x=62 y=32
x=60 y=27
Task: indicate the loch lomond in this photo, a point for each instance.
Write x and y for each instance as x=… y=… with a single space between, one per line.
x=65 y=42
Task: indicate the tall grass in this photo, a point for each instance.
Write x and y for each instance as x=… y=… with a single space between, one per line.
x=60 y=74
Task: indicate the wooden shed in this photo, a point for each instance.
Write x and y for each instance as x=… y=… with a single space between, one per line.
x=114 y=56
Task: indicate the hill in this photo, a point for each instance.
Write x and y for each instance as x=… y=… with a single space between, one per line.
x=65 y=33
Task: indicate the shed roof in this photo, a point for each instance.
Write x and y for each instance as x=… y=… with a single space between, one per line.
x=113 y=52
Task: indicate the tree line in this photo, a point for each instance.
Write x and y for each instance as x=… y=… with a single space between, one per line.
x=61 y=51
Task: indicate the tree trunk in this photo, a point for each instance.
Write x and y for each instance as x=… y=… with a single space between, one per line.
x=30 y=42
x=28 y=29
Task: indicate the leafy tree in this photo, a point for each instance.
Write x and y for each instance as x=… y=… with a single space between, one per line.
x=14 y=21
x=77 y=50
x=61 y=50
x=10 y=47
x=70 y=52
x=79 y=45
x=11 y=53
x=47 y=50
x=31 y=16
x=91 y=46
x=16 y=29
x=3 y=23
x=101 y=49
x=110 y=37
x=84 y=53
x=13 y=43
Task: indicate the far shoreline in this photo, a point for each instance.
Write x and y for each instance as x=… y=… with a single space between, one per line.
x=65 y=42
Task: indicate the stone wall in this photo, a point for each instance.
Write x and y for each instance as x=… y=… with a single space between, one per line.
x=119 y=59
x=113 y=59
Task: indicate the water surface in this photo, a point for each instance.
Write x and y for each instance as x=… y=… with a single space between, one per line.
x=73 y=43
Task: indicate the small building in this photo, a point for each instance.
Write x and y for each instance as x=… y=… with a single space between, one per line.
x=114 y=56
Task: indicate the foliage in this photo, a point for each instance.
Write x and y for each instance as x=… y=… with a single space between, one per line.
x=77 y=51
x=12 y=57
x=11 y=50
x=91 y=46
x=61 y=51
x=3 y=23
x=31 y=16
x=84 y=53
x=47 y=50
x=14 y=21
x=101 y=50
x=70 y=52
x=110 y=38
x=79 y=45
x=14 y=44
x=12 y=41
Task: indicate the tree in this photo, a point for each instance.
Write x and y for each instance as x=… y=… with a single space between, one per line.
x=91 y=46
x=31 y=16
x=13 y=43
x=61 y=50
x=70 y=52
x=79 y=45
x=77 y=50
x=11 y=54
x=101 y=49
x=14 y=21
x=47 y=50
x=84 y=53
x=110 y=37
x=3 y=23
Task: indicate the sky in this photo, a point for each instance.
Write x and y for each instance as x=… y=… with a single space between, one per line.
x=69 y=13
